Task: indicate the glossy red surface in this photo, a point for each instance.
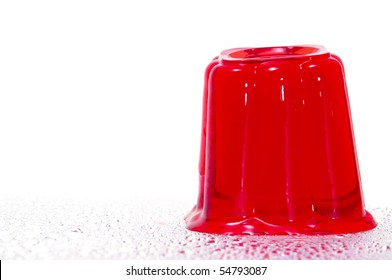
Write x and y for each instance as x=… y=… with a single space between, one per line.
x=277 y=151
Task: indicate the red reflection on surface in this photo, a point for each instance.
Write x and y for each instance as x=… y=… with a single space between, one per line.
x=277 y=151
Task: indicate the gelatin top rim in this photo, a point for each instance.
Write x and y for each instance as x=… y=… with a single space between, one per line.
x=249 y=55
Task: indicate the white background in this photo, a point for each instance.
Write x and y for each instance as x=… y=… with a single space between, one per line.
x=282 y=269
x=103 y=98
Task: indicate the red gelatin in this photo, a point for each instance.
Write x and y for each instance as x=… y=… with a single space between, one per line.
x=277 y=152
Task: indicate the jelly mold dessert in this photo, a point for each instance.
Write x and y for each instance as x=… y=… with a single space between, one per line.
x=277 y=151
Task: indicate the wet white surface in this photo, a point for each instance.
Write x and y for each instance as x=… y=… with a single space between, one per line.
x=154 y=229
